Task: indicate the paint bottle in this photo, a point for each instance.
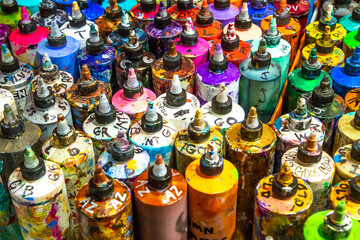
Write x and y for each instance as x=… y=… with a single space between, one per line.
x=103 y=125
x=164 y=69
x=335 y=224
x=134 y=56
x=317 y=29
x=278 y=48
x=250 y=146
x=299 y=9
x=10 y=14
x=341 y=7
x=282 y=205
x=351 y=41
x=133 y=98
x=352 y=100
x=59 y=81
x=38 y=192
x=4 y=35
x=294 y=128
x=77 y=27
x=328 y=55
x=43 y=110
x=124 y=161
x=351 y=22
x=235 y=49
x=15 y=77
x=177 y=106
x=154 y=135
x=84 y=96
x=32 y=6
x=15 y=135
x=98 y=56
x=304 y=79
x=61 y=50
x=223 y=11
x=210 y=75
x=191 y=46
x=192 y=141
x=288 y=27
x=48 y=13
x=25 y=39
x=161 y=203
x=328 y=107
x=260 y=9
x=347 y=161
x=213 y=186
x=125 y=5
x=182 y=10
x=221 y=112
x=109 y=22
x=91 y=9
x=119 y=37
x=144 y=12
x=104 y=208
x=260 y=82
x=161 y=31
x=206 y=27
x=315 y=167
x=244 y=27
x=66 y=4
x=73 y=151
x=7 y=98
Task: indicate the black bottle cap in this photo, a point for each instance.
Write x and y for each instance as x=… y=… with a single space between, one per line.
x=230 y=41
x=32 y=168
x=172 y=58
x=357 y=119
x=125 y=26
x=56 y=38
x=151 y=121
x=325 y=45
x=189 y=36
x=147 y=5
x=86 y=83
x=272 y=35
x=323 y=94
x=184 y=5
x=11 y=126
x=300 y=118
x=162 y=18
x=9 y=7
x=82 y=4
x=101 y=187
x=159 y=175
x=355 y=189
x=44 y=96
x=8 y=63
x=199 y=129
x=261 y=58
x=211 y=162
x=218 y=63
x=337 y=224
x=95 y=44
x=342 y=2
x=310 y=152
x=122 y=150
x=48 y=71
x=258 y=4
x=113 y=11
x=77 y=19
x=328 y=19
x=105 y=113
x=133 y=49
x=63 y=134
x=47 y=8
x=204 y=17
x=221 y=4
x=355 y=150
x=176 y=95
x=26 y=25
x=221 y=103
x=252 y=128
x=356 y=14
x=243 y=21
x=285 y=183
x=311 y=67
x=133 y=88
x=282 y=15
x=292 y=1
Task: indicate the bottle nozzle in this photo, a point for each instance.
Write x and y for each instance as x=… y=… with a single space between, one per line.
x=94 y=34
x=328 y=13
x=311 y=142
x=30 y=159
x=85 y=73
x=25 y=18
x=46 y=63
x=301 y=108
x=252 y=120
x=76 y=14
x=171 y=50
x=204 y=4
x=176 y=85
x=55 y=30
x=218 y=54
x=262 y=49
x=199 y=121
x=121 y=141
x=312 y=60
x=132 y=81
x=42 y=88
x=162 y=10
x=9 y=116
x=125 y=21
x=285 y=177
x=272 y=28
x=214 y=157
x=100 y=179
x=151 y=114
x=222 y=96
x=282 y=11
x=159 y=169
x=113 y=5
x=133 y=41
x=230 y=34
x=6 y=56
x=104 y=105
x=189 y=27
x=244 y=13
x=339 y=214
x=62 y=125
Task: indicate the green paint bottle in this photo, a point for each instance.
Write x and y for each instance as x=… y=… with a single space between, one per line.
x=351 y=40
x=327 y=225
x=304 y=79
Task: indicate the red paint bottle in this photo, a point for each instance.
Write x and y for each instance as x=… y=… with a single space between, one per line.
x=182 y=10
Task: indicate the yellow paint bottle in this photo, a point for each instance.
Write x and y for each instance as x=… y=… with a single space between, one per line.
x=191 y=142
x=213 y=183
x=352 y=100
x=250 y=146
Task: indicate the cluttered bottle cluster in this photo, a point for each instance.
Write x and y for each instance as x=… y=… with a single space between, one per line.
x=179 y=119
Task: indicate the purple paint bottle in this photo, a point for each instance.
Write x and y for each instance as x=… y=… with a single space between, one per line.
x=161 y=30
x=223 y=11
x=191 y=46
x=4 y=35
x=210 y=75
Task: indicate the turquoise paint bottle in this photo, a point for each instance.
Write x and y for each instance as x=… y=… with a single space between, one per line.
x=31 y=5
x=351 y=22
x=125 y=5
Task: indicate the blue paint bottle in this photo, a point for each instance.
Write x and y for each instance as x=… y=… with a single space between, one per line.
x=48 y=13
x=61 y=49
x=125 y=5
x=348 y=77
x=66 y=4
x=260 y=9
x=351 y=22
x=92 y=11
x=98 y=56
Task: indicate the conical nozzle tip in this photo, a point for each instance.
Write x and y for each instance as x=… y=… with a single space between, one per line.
x=171 y=49
x=30 y=159
x=25 y=18
x=222 y=96
x=162 y=9
x=55 y=30
x=121 y=141
x=189 y=26
x=46 y=63
x=42 y=88
x=76 y=14
x=159 y=169
x=252 y=120
x=85 y=73
x=218 y=54
x=325 y=84
x=339 y=214
x=204 y=4
x=262 y=49
x=94 y=34
x=151 y=114
x=8 y=114
x=176 y=85
x=125 y=21
x=113 y=4
x=301 y=108
x=285 y=176
x=199 y=120
x=311 y=142
x=100 y=178
x=132 y=81
x=6 y=56
x=230 y=34
x=214 y=157
x=62 y=125
x=104 y=105
x=273 y=27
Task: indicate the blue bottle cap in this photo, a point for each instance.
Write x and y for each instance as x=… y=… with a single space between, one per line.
x=352 y=64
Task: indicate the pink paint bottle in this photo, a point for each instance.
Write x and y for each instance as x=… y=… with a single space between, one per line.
x=133 y=98
x=24 y=40
x=191 y=46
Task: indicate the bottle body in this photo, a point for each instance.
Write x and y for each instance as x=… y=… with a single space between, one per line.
x=118 y=41
x=259 y=14
x=224 y=16
x=59 y=86
x=80 y=34
x=346 y=132
x=236 y=56
x=350 y=42
x=248 y=35
x=344 y=82
x=180 y=16
x=198 y=53
x=352 y=100
x=60 y=17
x=313 y=33
x=346 y=166
x=349 y=23
x=209 y=33
x=141 y=18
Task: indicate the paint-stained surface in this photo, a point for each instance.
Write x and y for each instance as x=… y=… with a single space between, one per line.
x=209 y=33
x=259 y=13
x=181 y=16
x=349 y=24
x=346 y=166
x=4 y=34
x=142 y=18
x=118 y=41
x=80 y=34
x=11 y=19
x=198 y=53
x=237 y=56
x=42 y=205
x=107 y=26
x=162 y=214
x=248 y=35
x=299 y=10
x=212 y=202
x=59 y=86
x=346 y=132
x=7 y=98
x=60 y=17
x=352 y=100
x=280 y=218
x=224 y=16
x=108 y=219
x=313 y=33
